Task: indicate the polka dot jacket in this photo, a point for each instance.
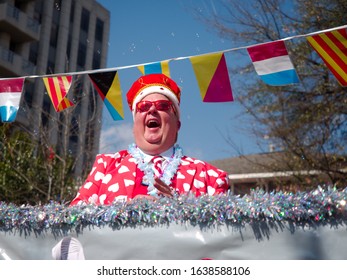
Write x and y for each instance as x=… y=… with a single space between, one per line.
x=116 y=177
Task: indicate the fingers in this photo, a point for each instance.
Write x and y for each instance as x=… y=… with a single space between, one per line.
x=162 y=187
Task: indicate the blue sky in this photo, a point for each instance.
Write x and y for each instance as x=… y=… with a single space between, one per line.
x=154 y=30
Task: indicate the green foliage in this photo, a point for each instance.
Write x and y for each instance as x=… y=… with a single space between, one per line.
x=32 y=173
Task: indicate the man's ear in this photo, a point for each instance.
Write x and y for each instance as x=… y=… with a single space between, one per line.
x=178 y=124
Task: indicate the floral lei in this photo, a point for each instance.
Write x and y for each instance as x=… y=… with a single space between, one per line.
x=147 y=168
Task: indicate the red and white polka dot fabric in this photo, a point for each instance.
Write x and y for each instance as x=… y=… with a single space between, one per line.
x=116 y=177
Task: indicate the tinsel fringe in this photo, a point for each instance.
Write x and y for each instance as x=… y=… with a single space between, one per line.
x=320 y=206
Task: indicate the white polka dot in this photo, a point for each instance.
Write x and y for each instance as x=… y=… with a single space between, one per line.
x=100 y=160
x=212 y=173
x=113 y=188
x=98 y=176
x=183 y=162
x=116 y=155
x=186 y=187
x=92 y=171
x=219 y=181
x=88 y=185
x=191 y=172
x=93 y=199
x=128 y=182
x=198 y=184
x=180 y=175
x=202 y=174
x=107 y=178
x=211 y=190
x=102 y=199
x=123 y=169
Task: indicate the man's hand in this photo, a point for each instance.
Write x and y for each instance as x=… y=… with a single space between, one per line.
x=162 y=187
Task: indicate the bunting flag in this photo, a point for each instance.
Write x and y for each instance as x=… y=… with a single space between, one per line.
x=155 y=68
x=108 y=86
x=212 y=76
x=10 y=95
x=332 y=48
x=57 y=88
x=272 y=63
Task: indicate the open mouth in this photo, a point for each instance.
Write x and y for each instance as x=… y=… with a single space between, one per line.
x=153 y=123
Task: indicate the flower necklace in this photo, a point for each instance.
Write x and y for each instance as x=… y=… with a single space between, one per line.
x=147 y=168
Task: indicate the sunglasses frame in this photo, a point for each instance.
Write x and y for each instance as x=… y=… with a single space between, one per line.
x=156 y=105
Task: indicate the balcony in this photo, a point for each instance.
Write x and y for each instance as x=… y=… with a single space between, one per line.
x=21 y=27
x=13 y=65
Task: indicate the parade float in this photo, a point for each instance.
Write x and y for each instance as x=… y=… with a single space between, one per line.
x=283 y=226
x=259 y=225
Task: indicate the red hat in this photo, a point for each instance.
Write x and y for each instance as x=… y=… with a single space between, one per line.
x=154 y=83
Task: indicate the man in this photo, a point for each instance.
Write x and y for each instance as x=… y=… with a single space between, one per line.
x=154 y=165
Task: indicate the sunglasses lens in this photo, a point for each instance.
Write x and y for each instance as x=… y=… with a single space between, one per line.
x=143 y=106
x=160 y=105
x=163 y=105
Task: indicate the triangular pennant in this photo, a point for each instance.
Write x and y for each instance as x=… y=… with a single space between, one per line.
x=10 y=95
x=108 y=86
x=272 y=63
x=57 y=88
x=155 y=68
x=212 y=76
x=332 y=48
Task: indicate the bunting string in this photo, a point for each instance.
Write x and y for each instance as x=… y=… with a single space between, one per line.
x=271 y=62
x=170 y=59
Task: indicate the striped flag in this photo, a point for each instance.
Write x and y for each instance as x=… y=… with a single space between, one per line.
x=332 y=48
x=57 y=88
x=161 y=67
x=272 y=63
x=108 y=86
x=10 y=95
x=212 y=76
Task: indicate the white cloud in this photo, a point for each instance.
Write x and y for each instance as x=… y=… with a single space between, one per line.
x=115 y=138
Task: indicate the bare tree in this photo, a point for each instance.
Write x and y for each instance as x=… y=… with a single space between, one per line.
x=306 y=122
x=34 y=169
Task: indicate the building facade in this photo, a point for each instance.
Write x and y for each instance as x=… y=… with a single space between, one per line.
x=42 y=37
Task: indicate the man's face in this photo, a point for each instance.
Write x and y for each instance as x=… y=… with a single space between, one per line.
x=155 y=131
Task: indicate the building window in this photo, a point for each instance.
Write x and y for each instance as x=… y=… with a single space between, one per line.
x=99 y=30
x=51 y=59
x=96 y=60
x=28 y=95
x=81 y=59
x=68 y=48
x=38 y=11
x=85 y=20
x=72 y=12
x=97 y=55
x=34 y=47
x=54 y=35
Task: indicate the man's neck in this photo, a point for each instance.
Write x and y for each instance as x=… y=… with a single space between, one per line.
x=167 y=154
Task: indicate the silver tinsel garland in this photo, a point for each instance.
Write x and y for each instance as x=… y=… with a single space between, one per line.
x=320 y=206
